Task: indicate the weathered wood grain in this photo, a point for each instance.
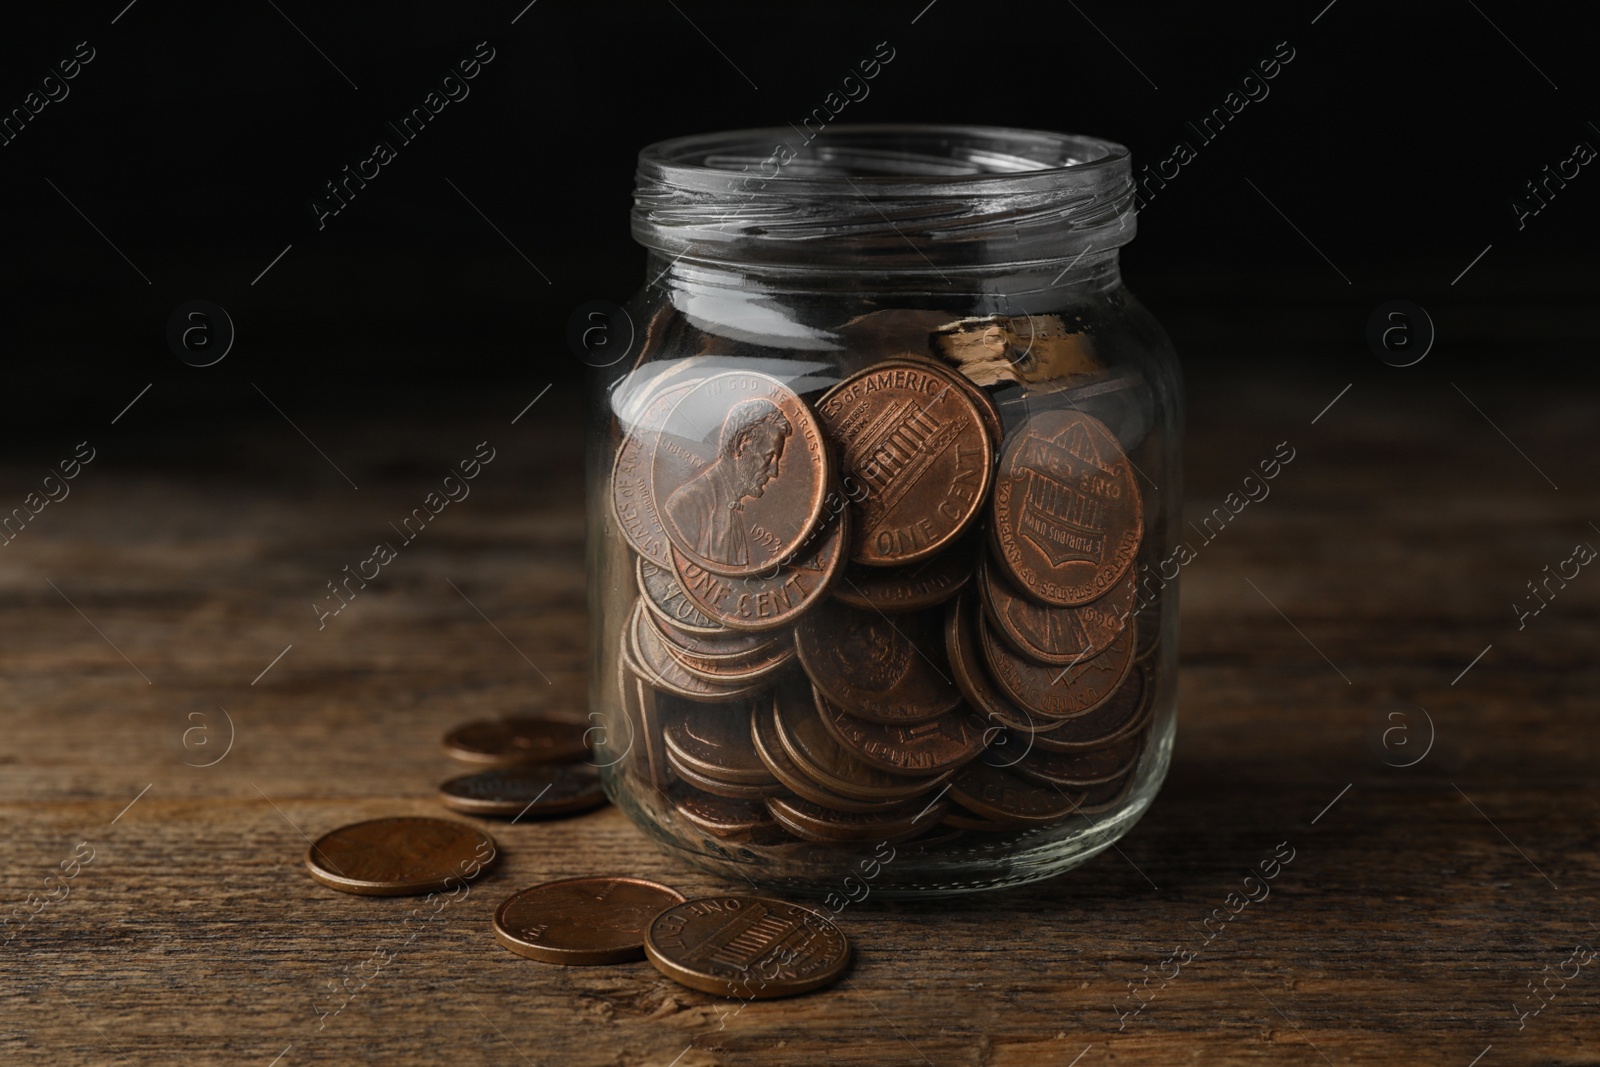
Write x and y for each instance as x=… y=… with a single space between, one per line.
x=1416 y=910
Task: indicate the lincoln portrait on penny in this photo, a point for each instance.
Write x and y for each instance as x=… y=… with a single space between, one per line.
x=708 y=510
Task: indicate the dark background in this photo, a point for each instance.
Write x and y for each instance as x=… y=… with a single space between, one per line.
x=197 y=137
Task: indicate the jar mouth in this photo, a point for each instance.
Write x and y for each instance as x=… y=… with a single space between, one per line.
x=884 y=196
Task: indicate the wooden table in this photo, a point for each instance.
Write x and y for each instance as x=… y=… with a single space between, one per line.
x=172 y=592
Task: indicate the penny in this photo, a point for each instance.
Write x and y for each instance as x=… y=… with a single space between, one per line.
x=716 y=743
x=641 y=708
x=769 y=600
x=520 y=739
x=912 y=588
x=657 y=666
x=980 y=399
x=961 y=647
x=664 y=598
x=887 y=669
x=581 y=921
x=740 y=470
x=1080 y=770
x=1110 y=796
x=524 y=792
x=737 y=669
x=1001 y=794
x=1058 y=692
x=400 y=856
x=1127 y=712
x=1067 y=512
x=633 y=501
x=926 y=748
x=769 y=746
x=813 y=822
x=822 y=759
x=721 y=817
x=1051 y=634
x=717 y=786
x=724 y=645
x=753 y=948
x=915 y=442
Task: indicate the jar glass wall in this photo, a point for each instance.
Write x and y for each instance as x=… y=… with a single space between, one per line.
x=877 y=506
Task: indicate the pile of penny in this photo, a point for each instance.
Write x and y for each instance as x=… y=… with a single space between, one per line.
x=734 y=946
x=859 y=618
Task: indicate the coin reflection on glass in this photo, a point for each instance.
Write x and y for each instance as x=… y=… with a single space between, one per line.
x=581 y=921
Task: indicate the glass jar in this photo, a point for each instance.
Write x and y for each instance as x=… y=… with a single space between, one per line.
x=880 y=507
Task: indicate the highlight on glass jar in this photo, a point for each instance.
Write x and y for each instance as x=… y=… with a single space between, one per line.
x=879 y=511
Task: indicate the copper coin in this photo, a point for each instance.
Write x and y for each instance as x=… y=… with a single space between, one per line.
x=813 y=822
x=1108 y=797
x=916 y=444
x=927 y=748
x=1052 y=634
x=727 y=645
x=524 y=792
x=920 y=585
x=960 y=818
x=716 y=743
x=719 y=787
x=657 y=666
x=633 y=500
x=400 y=856
x=753 y=948
x=773 y=599
x=1058 y=692
x=836 y=768
x=641 y=705
x=1127 y=712
x=883 y=668
x=769 y=746
x=741 y=470
x=1002 y=794
x=664 y=598
x=743 y=669
x=721 y=817
x=966 y=665
x=980 y=399
x=1067 y=512
x=1081 y=770
x=582 y=921
x=520 y=739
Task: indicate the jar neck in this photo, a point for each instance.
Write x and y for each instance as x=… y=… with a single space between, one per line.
x=1035 y=286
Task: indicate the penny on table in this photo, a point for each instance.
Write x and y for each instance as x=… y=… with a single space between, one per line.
x=911 y=588
x=740 y=471
x=582 y=921
x=524 y=792
x=773 y=599
x=400 y=856
x=1048 y=633
x=888 y=669
x=1067 y=517
x=915 y=440
x=520 y=739
x=753 y=948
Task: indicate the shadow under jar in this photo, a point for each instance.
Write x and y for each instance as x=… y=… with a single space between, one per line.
x=879 y=501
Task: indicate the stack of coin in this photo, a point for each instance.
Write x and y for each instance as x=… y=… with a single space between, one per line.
x=859 y=617
x=531 y=769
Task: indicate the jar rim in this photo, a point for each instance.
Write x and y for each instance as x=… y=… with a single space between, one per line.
x=886 y=195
